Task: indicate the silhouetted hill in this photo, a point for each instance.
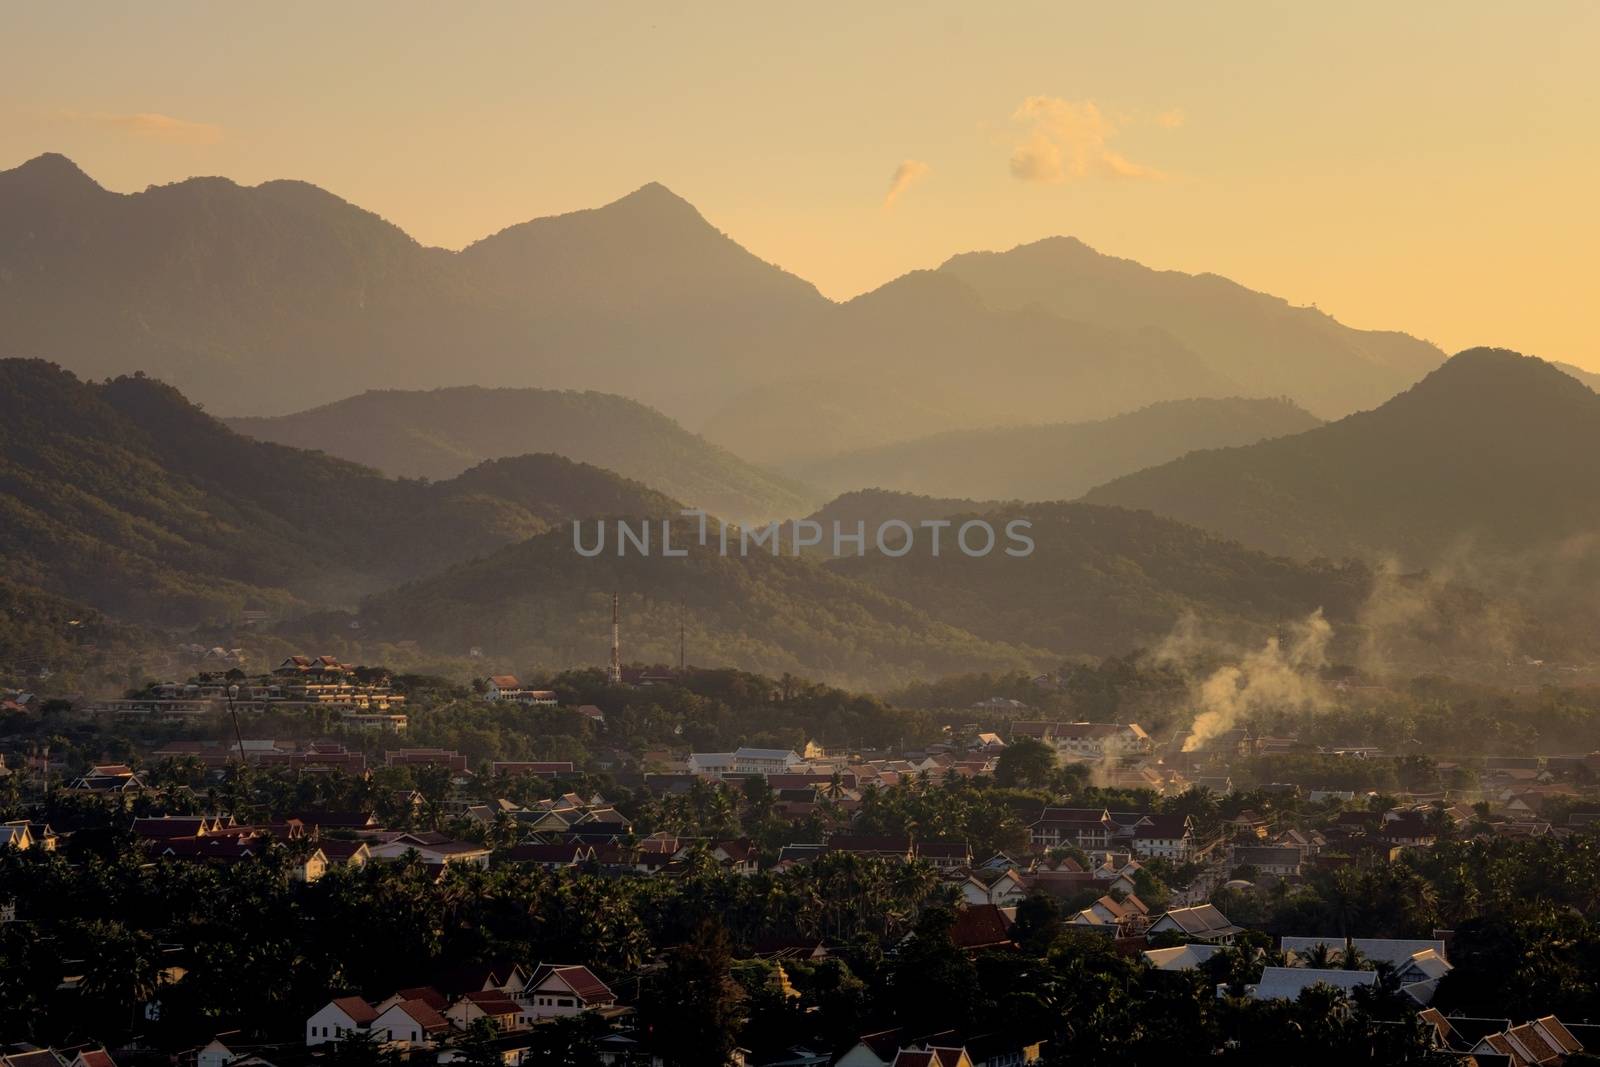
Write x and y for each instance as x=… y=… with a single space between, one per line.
x=126 y=497
x=440 y=433
x=1263 y=343
x=1493 y=452
x=1059 y=461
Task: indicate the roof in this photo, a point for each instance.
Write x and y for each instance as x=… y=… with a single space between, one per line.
x=1200 y=920
x=1388 y=950
x=582 y=981
x=1182 y=958
x=423 y=1014
x=492 y=1002
x=1287 y=983
x=425 y=993
x=980 y=926
x=359 y=1011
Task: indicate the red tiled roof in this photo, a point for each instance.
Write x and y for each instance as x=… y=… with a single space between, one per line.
x=359 y=1011
x=427 y=994
x=980 y=926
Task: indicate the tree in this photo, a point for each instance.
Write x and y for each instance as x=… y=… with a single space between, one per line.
x=694 y=1008
x=1026 y=761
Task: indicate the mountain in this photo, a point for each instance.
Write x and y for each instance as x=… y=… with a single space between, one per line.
x=1493 y=453
x=281 y=296
x=1263 y=343
x=124 y=496
x=926 y=353
x=439 y=433
x=1587 y=377
x=538 y=602
x=262 y=299
x=1059 y=461
x=1101 y=580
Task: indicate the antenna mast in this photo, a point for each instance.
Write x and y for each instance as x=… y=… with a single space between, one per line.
x=614 y=674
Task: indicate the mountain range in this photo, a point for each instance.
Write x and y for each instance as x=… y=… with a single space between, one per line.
x=126 y=498
x=281 y=296
x=1060 y=461
x=440 y=433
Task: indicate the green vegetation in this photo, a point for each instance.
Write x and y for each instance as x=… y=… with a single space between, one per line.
x=124 y=496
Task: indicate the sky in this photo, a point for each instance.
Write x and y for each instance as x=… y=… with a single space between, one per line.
x=1429 y=167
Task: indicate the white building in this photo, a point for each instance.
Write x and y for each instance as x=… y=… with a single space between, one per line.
x=337 y=1018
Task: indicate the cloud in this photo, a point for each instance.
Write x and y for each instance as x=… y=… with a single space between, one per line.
x=150 y=125
x=1066 y=140
x=1172 y=118
x=906 y=175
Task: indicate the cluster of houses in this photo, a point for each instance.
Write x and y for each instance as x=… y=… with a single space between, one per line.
x=510 y=997
x=298 y=683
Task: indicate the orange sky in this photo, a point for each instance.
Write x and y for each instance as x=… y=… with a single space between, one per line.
x=1431 y=169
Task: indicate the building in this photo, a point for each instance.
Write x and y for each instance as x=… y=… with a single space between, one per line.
x=763 y=761
x=1086 y=740
x=1203 y=922
x=563 y=989
x=337 y=1018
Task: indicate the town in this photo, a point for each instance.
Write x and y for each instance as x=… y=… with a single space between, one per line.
x=329 y=863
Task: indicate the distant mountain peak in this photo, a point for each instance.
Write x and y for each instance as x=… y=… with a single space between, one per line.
x=1485 y=368
x=50 y=172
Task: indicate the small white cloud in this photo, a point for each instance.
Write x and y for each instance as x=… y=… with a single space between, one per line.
x=905 y=176
x=1065 y=140
x=150 y=125
x=1172 y=118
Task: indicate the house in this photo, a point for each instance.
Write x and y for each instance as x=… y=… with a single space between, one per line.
x=435 y=849
x=344 y=853
x=552 y=857
x=933 y=1057
x=17 y=835
x=411 y=1022
x=877 y=1049
x=502 y=1012
x=1282 y=861
x=1543 y=1041
x=1004 y=1049
x=505 y=688
x=93 y=1057
x=108 y=778
x=884 y=848
x=1117 y=917
x=1287 y=983
x=1085 y=828
x=763 y=761
x=1397 y=952
x=537 y=768
x=981 y=926
x=340 y=1016
x=1168 y=837
x=1203 y=922
x=564 y=989
x=945 y=855
x=1086 y=740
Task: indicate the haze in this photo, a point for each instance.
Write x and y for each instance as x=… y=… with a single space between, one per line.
x=1348 y=161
